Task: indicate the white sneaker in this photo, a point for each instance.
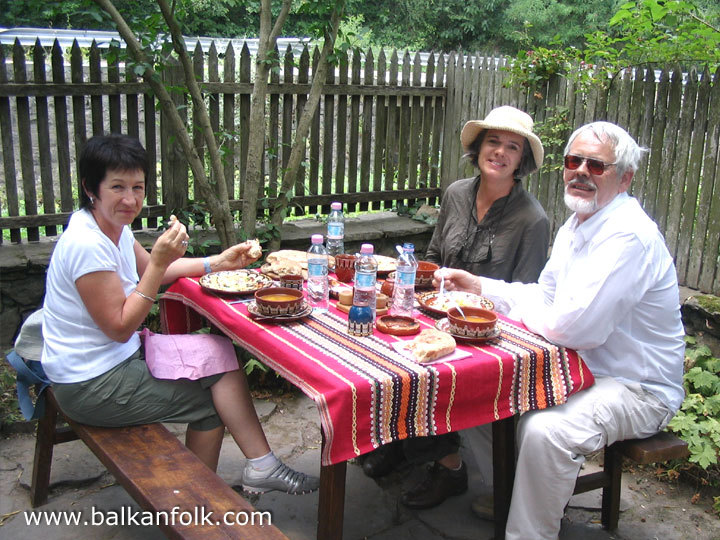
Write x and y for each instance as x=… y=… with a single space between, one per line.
x=281 y=478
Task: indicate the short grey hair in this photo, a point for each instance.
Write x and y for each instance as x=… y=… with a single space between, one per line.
x=628 y=153
x=527 y=159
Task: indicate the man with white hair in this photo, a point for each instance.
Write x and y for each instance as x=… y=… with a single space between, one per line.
x=609 y=290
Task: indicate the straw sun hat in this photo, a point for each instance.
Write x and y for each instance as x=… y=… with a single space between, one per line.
x=505 y=118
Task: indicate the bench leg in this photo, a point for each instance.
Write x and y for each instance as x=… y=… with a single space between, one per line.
x=43 y=455
x=611 y=492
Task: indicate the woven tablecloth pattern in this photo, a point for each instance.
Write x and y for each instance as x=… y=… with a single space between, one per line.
x=367 y=393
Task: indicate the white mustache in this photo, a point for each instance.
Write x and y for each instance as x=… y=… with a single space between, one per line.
x=583 y=181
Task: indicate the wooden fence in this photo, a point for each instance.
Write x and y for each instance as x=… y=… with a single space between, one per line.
x=387 y=131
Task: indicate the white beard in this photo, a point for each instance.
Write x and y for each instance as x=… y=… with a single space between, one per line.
x=580 y=205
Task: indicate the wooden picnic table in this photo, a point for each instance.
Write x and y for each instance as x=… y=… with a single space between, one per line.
x=369 y=394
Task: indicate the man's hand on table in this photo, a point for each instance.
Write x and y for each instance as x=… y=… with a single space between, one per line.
x=457 y=280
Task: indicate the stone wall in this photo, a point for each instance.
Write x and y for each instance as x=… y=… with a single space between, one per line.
x=23 y=267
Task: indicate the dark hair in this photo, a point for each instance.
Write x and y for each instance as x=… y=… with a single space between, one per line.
x=527 y=160
x=102 y=153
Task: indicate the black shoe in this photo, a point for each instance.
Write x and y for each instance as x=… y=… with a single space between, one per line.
x=439 y=484
x=383 y=460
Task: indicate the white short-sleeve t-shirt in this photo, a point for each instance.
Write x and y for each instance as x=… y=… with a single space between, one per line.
x=75 y=349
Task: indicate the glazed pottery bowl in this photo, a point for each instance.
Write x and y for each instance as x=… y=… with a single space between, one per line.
x=279 y=301
x=478 y=322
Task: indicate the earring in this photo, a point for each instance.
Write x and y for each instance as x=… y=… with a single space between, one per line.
x=92 y=201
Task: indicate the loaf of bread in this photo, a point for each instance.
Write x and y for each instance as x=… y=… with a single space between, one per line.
x=431 y=344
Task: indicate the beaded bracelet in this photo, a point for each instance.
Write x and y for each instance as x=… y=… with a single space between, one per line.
x=145 y=296
x=206 y=264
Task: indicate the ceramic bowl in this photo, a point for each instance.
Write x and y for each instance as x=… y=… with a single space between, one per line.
x=424 y=274
x=279 y=301
x=479 y=322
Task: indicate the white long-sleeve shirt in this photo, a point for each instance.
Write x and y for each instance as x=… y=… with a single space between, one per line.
x=609 y=291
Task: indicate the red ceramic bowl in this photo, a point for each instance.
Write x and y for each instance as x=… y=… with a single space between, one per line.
x=478 y=322
x=278 y=301
x=424 y=275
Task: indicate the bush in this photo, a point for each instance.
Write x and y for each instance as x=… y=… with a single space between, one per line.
x=697 y=420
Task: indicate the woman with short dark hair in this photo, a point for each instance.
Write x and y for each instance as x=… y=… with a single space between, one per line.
x=101 y=284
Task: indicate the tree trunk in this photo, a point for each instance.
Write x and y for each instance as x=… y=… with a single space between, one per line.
x=218 y=203
x=263 y=63
x=301 y=133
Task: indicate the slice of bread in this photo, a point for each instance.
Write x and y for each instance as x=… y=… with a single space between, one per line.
x=431 y=344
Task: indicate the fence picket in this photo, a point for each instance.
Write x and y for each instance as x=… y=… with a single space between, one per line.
x=342 y=111
x=96 y=101
x=312 y=181
x=380 y=128
x=303 y=78
x=61 y=131
x=426 y=132
x=328 y=138
x=439 y=109
x=8 y=148
x=22 y=105
x=679 y=180
x=113 y=77
x=688 y=213
x=244 y=117
x=42 y=117
x=710 y=202
x=354 y=129
x=392 y=138
x=228 y=120
x=664 y=192
x=367 y=126
x=287 y=112
x=273 y=133
x=404 y=137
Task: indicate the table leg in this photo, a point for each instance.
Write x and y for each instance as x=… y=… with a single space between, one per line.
x=331 y=505
x=503 y=471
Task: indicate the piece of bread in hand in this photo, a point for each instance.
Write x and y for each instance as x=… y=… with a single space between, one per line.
x=431 y=344
x=255 y=250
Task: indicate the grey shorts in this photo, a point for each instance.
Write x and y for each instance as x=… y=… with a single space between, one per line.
x=129 y=395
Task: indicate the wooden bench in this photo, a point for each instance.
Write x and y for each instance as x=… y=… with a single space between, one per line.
x=659 y=448
x=158 y=471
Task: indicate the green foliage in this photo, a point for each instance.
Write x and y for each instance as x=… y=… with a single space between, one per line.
x=554 y=132
x=697 y=421
x=196 y=218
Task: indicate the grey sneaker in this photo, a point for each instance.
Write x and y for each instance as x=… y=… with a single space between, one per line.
x=282 y=478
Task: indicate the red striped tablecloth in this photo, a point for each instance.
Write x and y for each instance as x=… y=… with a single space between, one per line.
x=367 y=393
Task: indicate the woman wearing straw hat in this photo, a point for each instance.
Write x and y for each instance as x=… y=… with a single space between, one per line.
x=488 y=225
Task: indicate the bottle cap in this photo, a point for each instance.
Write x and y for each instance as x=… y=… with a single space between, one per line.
x=367 y=249
x=336 y=206
x=316 y=239
x=407 y=246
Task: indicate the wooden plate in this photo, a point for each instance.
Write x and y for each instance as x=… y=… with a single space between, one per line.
x=429 y=301
x=235 y=282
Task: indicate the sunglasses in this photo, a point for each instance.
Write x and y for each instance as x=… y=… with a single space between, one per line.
x=595 y=166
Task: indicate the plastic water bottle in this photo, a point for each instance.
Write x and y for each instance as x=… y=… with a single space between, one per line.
x=317 y=283
x=403 y=298
x=335 y=230
x=361 y=318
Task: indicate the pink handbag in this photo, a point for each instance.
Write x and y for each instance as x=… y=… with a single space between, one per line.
x=187 y=356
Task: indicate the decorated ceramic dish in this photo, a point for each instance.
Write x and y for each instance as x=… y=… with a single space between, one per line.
x=235 y=281
x=438 y=303
x=444 y=326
